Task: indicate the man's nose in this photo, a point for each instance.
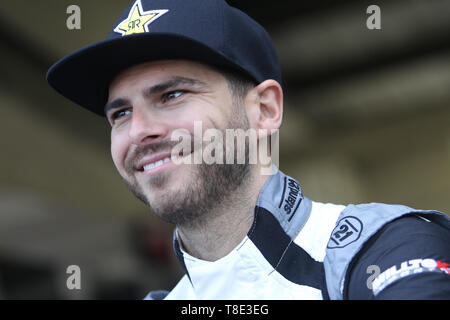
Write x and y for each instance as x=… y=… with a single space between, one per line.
x=146 y=127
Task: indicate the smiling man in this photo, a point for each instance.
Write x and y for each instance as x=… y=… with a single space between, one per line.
x=147 y=103
x=240 y=234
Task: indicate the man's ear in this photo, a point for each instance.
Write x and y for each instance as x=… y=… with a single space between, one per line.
x=266 y=105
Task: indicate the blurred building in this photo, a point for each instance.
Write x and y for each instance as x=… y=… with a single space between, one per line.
x=366 y=120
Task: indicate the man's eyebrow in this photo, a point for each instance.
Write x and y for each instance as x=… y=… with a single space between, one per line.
x=158 y=88
x=173 y=83
x=116 y=103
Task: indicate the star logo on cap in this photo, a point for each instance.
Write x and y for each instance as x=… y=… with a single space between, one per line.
x=138 y=20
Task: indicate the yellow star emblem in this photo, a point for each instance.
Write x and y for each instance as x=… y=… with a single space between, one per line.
x=138 y=20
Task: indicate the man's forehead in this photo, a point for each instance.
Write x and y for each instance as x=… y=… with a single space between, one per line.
x=161 y=69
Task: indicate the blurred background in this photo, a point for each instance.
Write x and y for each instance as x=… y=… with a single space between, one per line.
x=367 y=119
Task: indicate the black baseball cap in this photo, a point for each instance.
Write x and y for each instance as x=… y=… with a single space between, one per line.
x=207 y=31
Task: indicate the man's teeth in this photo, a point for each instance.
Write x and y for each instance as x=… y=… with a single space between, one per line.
x=156 y=164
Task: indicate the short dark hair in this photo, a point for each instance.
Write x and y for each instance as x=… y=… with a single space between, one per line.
x=238 y=82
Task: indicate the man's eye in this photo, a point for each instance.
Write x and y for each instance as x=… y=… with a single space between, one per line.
x=172 y=95
x=119 y=114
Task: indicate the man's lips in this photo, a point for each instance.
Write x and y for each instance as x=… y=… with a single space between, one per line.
x=153 y=165
x=153 y=161
x=150 y=163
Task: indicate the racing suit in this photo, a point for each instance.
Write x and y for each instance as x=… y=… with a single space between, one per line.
x=301 y=249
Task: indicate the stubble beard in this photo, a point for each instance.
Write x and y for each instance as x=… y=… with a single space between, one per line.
x=210 y=186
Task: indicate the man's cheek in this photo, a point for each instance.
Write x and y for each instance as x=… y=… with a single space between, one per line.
x=118 y=154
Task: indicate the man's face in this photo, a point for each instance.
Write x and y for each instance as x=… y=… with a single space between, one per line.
x=146 y=104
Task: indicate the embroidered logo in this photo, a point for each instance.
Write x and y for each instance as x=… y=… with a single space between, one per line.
x=138 y=20
x=289 y=201
x=291 y=198
x=347 y=230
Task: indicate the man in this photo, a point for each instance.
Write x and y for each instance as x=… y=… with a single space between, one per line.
x=240 y=233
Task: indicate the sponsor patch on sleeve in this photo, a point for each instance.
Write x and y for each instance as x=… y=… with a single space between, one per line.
x=405 y=269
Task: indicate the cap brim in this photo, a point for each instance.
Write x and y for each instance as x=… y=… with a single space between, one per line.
x=84 y=76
